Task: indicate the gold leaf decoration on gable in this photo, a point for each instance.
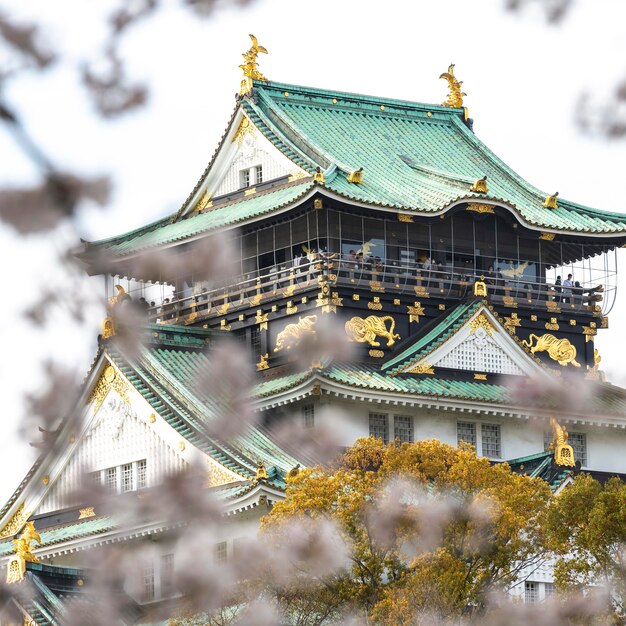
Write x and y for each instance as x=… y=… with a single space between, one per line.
x=15 y=524
x=482 y=321
x=422 y=368
x=109 y=380
x=204 y=202
x=511 y=323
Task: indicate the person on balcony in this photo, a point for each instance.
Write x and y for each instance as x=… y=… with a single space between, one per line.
x=567 y=289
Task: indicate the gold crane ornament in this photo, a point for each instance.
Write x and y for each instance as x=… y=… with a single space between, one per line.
x=250 y=66
x=455 y=95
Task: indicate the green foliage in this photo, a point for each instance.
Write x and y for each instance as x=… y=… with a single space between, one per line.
x=586 y=528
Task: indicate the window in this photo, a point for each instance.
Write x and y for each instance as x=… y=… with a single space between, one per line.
x=123 y=478
x=466 y=431
x=491 y=440
x=244 y=179
x=167 y=575
x=578 y=441
x=259 y=174
x=308 y=415
x=110 y=478
x=548 y=589
x=142 y=474
x=379 y=426
x=221 y=552
x=403 y=428
x=127 y=477
x=148 y=583
x=531 y=592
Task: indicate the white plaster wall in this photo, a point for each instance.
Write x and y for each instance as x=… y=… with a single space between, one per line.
x=117 y=437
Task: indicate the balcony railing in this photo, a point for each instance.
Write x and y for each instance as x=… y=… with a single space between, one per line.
x=450 y=283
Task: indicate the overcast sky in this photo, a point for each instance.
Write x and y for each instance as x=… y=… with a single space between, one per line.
x=523 y=79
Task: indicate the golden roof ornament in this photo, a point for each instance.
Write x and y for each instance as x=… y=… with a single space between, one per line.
x=455 y=95
x=480 y=288
x=250 y=66
x=551 y=202
x=318 y=177
x=16 y=567
x=563 y=452
x=480 y=186
x=108 y=325
x=356 y=176
x=261 y=472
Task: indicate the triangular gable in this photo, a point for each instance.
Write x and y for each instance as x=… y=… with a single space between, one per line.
x=117 y=426
x=473 y=341
x=243 y=148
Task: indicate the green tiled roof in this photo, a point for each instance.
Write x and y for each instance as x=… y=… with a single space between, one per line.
x=419 y=158
x=542 y=465
x=416 y=157
x=167 y=231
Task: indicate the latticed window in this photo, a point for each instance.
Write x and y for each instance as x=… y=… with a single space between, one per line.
x=491 y=441
x=148 y=583
x=466 y=431
x=259 y=174
x=379 y=426
x=531 y=592
x=403 y=428
x=127 y=477
x=548 y=590
x=167 y=575
x=578 y=441
x=308 y=415
x=142 y=474
x=110 y=478
x=221 y=552
x=244 y=178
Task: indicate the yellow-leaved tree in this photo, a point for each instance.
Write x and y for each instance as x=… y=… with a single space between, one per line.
x=398 y=531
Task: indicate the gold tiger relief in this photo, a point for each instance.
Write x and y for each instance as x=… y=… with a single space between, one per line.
x=366 y=330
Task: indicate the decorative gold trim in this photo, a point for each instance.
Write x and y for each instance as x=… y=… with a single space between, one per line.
x=377 y=286
x=204 y=202
x=224 y=325
x=482 y=321
x=256 y=300
x=318 y=204
x=152 y=418
x=261 y=319
x=223 y=308
x=420 y=291
x=547 y=236
x=422 y=368
x=509 y=301
x=533 y=318
x=442 y=307
x=455 y=95
x=478 y=376
x=552 y=324
x=250 y=191
x=318 y=177
x=572 y=322
x=404 y=217
x=262 y=364
x=15 y=524
x=480 y=288
x=375 y=304
x=511 y=323
x=378 y=354
x=181 y=446
x=560 y=350
x=415 y=312
x=551 y=202
x=479 y=207
x=291 y=308
x=45 y=480
x=396 y=301
x=108 y=380
x=289 y=291
x=480 y=185
x=87 y=512
x=366 y=330
x=356 y=297
x=297 y=175
x=356 y=176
